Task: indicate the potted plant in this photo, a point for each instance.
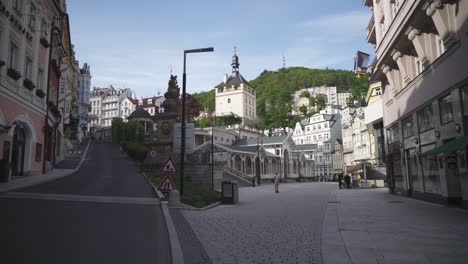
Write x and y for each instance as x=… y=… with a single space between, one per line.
x=40 y=93
x=28 y=84
x=44 y=42
x=13 y=74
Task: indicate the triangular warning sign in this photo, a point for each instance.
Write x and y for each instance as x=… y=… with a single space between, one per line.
x=167 y=184
x=169 y=167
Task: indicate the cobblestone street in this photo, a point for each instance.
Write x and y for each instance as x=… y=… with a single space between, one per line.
x=265 y=227
x=317 y=223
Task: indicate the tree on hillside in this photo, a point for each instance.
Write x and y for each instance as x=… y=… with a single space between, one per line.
x=321 y=101
x=192 y=108
x=206 y=99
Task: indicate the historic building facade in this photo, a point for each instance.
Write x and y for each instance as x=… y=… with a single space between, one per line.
x=31 y=52
x=236 y=96
x=421 y=49
x=84 y=89
x=321 y=129
x=106 y=103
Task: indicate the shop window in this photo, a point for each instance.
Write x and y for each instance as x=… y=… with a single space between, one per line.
x=426 y=118
x=408 y=128
x=446 y=114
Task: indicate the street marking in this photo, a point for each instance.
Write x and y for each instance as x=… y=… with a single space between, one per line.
x=82 y=198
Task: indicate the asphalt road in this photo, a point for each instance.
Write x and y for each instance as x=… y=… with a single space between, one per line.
x=104 y=213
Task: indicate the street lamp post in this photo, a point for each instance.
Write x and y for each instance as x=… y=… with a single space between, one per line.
x=182 y=140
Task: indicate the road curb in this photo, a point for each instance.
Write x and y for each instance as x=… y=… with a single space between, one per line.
x=177 y=255
x=41 y=181
x=191 y=208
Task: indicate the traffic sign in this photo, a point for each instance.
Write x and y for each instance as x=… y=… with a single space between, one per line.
x=169 y=167
x=167 y=184
x=153 y=153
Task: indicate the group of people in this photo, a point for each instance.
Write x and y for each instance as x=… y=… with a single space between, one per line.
x=351 y=180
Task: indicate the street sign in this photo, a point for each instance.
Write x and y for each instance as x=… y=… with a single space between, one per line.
x=153 y=153
x=169 y=167
x=167 y=184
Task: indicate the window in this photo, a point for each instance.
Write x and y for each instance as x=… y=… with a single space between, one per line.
x=445 y=105
x=150 y=101
x=32 y=16
x=38 y=152
x=439 y=45
x=392 y=134
x=12 y=61
x=319 y=127
x=382 y=26
x=425 y=119
x=28 y=69
x=229 y=100
x=408 y=128
x=315 y=137
x=18 y=5
x=308 y=129
x=325 y=125
x=40 y=78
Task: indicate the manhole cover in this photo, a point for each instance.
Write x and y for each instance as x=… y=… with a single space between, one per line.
x=395 y=201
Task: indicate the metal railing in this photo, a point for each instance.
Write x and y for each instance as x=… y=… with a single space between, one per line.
x=238 y=174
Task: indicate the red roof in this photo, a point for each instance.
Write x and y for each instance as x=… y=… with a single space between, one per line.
x=134 y=101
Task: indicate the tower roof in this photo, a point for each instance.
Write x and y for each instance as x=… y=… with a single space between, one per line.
x=235 y=62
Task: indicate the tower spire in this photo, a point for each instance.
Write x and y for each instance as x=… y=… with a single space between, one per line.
x=235 y=61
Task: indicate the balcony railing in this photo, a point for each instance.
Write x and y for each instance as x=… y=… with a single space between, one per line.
x=371 y=31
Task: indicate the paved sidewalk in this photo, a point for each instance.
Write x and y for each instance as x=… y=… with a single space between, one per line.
x=28 y=181
x=318 y=223
x=373 y=226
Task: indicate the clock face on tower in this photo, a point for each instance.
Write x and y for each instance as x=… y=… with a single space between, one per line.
x=165 y=127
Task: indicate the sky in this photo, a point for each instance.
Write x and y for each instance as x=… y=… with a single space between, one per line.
x=136 y=44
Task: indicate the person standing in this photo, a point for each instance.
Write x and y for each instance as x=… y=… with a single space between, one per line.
x=277 y=179
x=340 y=181
x=348 y=181
x=354 y=181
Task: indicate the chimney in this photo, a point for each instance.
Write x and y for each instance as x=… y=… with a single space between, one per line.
x=225 y=77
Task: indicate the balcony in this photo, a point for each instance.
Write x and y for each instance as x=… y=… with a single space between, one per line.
x=371 y=32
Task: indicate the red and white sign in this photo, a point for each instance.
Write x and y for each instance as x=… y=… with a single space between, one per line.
x=169 y=167
x=167 y=184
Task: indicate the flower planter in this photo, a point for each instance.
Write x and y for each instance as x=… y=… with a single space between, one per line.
x=14 y=74
x=40 y=93
x=28 y=84
x=44 y=42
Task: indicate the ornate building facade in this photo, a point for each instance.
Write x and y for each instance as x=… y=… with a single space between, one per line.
x=421 y=49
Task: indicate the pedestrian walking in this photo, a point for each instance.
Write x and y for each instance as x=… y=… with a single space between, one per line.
x=359 y=180
x=354 y=181
x=348 y=181
x=277 y=179
x=253 y=181
x=340 y=181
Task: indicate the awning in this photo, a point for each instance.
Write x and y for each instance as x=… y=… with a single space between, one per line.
x=453 y=145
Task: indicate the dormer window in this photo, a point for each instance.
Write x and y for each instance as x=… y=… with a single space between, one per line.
x=150 y=101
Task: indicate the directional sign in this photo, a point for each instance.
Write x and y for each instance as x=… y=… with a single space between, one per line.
x=167 y=184
x=169 y=167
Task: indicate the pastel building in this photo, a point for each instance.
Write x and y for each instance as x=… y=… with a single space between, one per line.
x=421 y=49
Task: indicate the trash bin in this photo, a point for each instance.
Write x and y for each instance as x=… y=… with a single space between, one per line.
x=230 y=192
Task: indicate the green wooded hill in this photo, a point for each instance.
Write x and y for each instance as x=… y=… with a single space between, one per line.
x=275 y=89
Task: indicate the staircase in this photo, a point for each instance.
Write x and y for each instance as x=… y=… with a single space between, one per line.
x=231 y=174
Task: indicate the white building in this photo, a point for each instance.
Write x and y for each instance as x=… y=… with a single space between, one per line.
x=347 y=134
x=321 y=129
x=236 y=96
x=152 y=105
x=105 y=105
x=361 y=143
x=333 y=98
x=127 y=106
x=343 y=99
x=84 y=87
